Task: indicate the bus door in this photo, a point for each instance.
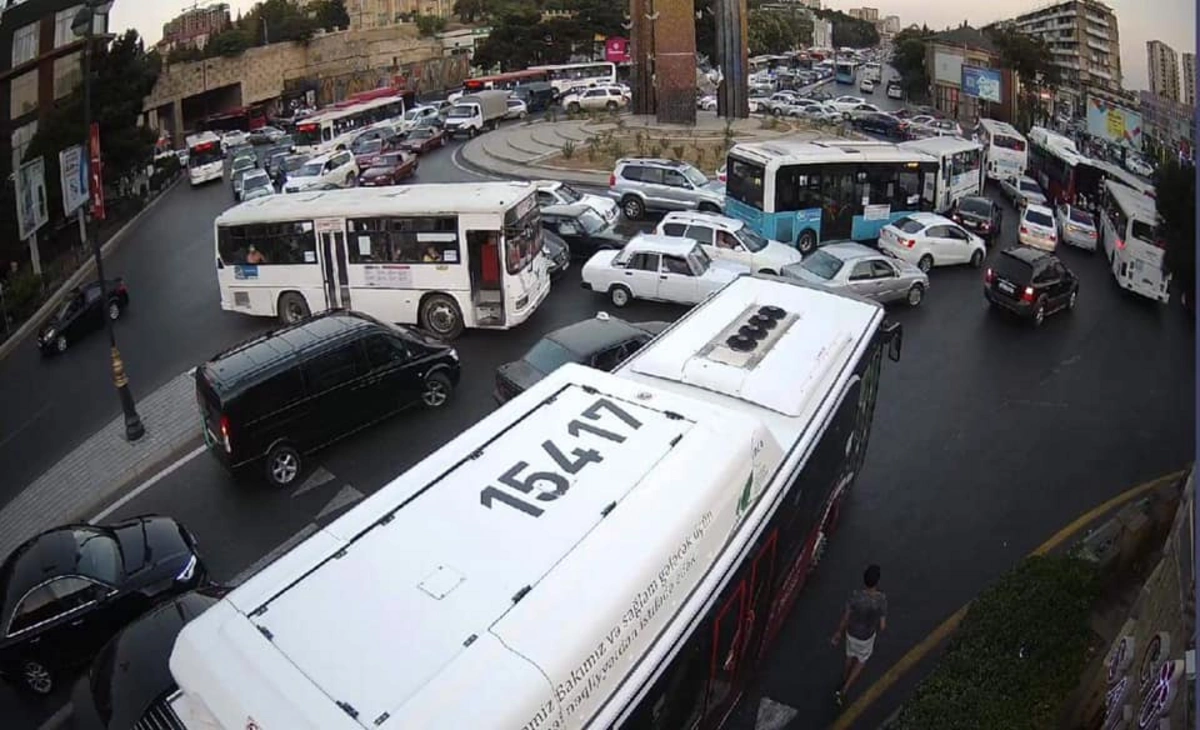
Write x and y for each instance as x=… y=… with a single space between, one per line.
x=485 y=262
x=838 y=203
x=331 y=233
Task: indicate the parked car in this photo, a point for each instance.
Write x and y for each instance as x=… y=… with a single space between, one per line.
x=255 y=184
x=81 y=312
x=389 y=169
x=610 y=98
x=642 y=184
x=516 y=109
x=980 y=214
x=558 y=253
x=270 y=401
x=129 y=682
x=602 y=342
x=866 y=86
x=1022 y=192
x=1030 y=283
x=583 y=229
x=928 y=240
x=657 y=268
x=1076 y=226
x=336 y=168
x=853 y=267
x=883 y=124
x=68 y=590
x=423 y=139
x=1037 y=228
x=265 y=135
x=729 y=239
x=895 y=90
x=553 y=192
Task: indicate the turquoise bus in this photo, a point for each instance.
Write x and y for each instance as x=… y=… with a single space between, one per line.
x=844 y=72
x=805 y=193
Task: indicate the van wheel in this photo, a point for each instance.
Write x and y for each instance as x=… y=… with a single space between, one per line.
x=283 y=465
x=619 y=295
x=292 y=308
x=915 y=295
x=807 y=242
x=437 y=390
x=633 y=207
x=441 y=316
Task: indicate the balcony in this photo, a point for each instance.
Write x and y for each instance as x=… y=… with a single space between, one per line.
x=1098 y=21
x=1098 y=46
x=1098 y=33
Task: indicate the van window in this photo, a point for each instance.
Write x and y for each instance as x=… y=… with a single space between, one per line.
x=332 y=368
x=272 y=394
x=383 y=351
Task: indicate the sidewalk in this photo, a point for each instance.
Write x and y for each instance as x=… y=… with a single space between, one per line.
x=86 y=479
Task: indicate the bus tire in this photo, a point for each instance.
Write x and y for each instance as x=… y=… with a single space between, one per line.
x=292 y=307
x=807 y=243
x=441 y=316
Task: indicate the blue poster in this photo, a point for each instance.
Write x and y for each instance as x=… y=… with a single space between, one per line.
x=981 y=83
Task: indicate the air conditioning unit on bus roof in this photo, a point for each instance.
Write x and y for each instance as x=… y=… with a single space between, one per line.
x=749 y=337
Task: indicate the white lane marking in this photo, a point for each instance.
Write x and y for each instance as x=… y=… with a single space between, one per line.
x=317 y=478
x=468 y=171
x=148 y=483
x=275 y=553
x=348 y=496
x=773 y=715
x=58 y=719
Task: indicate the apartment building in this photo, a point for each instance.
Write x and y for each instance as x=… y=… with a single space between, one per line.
x=1187 y=86
x=194 y=26
x=1085 y=41
x=1163 y=64
x=40 y=62
x=868 y=14
x=367 y=14
x=1171 y=123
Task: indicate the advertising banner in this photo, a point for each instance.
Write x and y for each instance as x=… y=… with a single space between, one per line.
x=616 y=50
x=31 y=198
x=947 y=67
x=96 y=169
x=73 y=174
x=981 y=83
x=1116 y=124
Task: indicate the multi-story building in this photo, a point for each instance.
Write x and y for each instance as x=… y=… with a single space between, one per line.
x=1170 y=123
x=891 y=25
x=1085 y=42
x=1163 y=64
x=868 y=14
x=366 y=14
x=1187 y=88
x=40 y=62
x=194 y=26
x=822 y=34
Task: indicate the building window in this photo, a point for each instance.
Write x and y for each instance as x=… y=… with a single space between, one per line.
x=62 y=26
x=25 y=44
x=24 y=93
x=21 y=137
x=67 y=74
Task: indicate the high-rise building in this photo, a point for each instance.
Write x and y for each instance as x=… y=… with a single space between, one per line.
x=891 y=25
x=868 y=14
x=194 y=26
x=1085 y=42
x=1187 y=88
x=1164 y=70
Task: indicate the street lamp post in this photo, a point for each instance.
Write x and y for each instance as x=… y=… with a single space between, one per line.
x=82 y=26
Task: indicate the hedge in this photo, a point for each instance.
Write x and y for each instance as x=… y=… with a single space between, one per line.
x=1017 y=655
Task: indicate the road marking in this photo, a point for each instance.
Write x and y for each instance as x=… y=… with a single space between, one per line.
x=454 y=155
x=279 y=550
x=58 y=719
x=947 y=627
x=773 y=715
x=147 y=484
x=317 y=478
x=348 y=496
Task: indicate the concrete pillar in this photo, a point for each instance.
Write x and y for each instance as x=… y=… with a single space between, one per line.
x=674 y=24
x=177 y=131
x=641 y=37
x=733 y=98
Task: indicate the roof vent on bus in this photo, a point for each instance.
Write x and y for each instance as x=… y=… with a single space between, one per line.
x=749 y=337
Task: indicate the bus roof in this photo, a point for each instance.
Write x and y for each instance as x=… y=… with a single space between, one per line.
x=938 y=146
x=1058 y=145
x=791 y=152
x=428 y=198
x=1133 y=201
x=192 y=140
x=995 y=126
x=339 y=112
x=1125 y=178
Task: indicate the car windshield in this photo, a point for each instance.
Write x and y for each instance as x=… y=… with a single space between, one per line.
x=751 y=240
x=569 y=194
x=68 y=306
x=1038 y=218
x=285 y=141
x=460 y=112
x=388 y=161
x=1029 y=186
x=242 y=163
x=700 y=260
x=292 y=164
x=97 y=555
x=311 y=169
x=975 y=206
x=547 y=356
x=411 y=114
x=822 y=265
x=256 y=181
x=694 y=176
x=1082 y=217
x=420 y=133
x=591 y=221
x=368 y=147
x=908 y=225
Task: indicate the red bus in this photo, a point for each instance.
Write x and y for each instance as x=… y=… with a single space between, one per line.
x=505 y=81
x=245 y=118
x=1065 y=175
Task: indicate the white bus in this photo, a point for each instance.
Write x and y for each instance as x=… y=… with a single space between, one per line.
x=873 y=71
x=603 y=551
x=331 y=128
x=205 y=159
x=444 y=256
x=1129 y=219
x=566 y=76
x=1004 y=149
x=960 y=168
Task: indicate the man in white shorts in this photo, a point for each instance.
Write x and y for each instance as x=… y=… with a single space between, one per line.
x=865 y=616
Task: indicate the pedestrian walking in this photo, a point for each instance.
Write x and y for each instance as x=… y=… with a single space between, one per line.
x=864 y=617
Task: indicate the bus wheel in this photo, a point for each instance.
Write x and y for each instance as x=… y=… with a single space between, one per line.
x=441 y=316
x=807 y=243
x=292 y=308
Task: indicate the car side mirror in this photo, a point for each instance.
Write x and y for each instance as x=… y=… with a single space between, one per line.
x=893 y=335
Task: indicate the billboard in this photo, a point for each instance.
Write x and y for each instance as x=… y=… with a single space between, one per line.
x=31 y=198
x=72 y=168
x=947 y=67
x=1116 y=124
x=981 y=83
x=616 y=50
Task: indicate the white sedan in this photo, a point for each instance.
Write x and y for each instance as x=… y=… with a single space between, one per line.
x=729 y=239
x=553 y=192
x=928 y=240
x=846 y=103
x=658 y=268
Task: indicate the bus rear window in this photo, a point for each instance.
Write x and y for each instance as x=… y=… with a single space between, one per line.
x=1009 y=143
x=744 y=183
x=1145 y=232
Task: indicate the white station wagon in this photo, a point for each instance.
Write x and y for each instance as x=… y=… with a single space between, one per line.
x=660 y=268
x=729 y=239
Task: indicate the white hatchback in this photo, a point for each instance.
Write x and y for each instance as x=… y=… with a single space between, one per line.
x=1037 y=228
x=658 y=268
x=729 y=239
x=928 y=240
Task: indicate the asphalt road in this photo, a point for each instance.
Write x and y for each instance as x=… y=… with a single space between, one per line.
x=988 y=436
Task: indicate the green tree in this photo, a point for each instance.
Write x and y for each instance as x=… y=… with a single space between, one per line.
x=329 y=14
x=520 y=39
x=1175 y=184
x=1030 y=57
x=777 y=31
x=430 y=25
x=184 y=54
x=849 y=32
x=228 y=43
x=468 y=11
x=908 y=58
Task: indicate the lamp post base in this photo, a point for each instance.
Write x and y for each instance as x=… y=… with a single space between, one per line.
x=134 y=429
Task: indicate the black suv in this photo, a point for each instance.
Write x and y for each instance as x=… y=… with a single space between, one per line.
x=1030 y=283
x=284 y=394
x=980 y=214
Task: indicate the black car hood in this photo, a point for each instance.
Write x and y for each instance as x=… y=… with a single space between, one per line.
x=981 y=217
x=521 y=374
x=131 y=672
x=151 y=541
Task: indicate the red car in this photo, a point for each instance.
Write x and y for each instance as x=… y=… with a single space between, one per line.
x=422 y=139
x=389 y=169
x=366 y=151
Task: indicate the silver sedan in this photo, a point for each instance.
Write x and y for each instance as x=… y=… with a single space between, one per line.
x=853 y=267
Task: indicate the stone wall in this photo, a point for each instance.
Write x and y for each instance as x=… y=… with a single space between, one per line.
x=434 y=74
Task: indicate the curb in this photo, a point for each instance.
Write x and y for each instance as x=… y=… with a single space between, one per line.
x=73 y=280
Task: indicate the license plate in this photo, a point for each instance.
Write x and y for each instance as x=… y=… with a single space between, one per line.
x=1007 y=288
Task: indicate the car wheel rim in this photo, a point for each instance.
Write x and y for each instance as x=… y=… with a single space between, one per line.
x=61 y=343
x=620 y=298
x=37 y=678
x=435 y=393
x=442 y=318
x=114 y=311
x=1071 y=302
x=914 y=296
x=1039 y=315
x=284 y=468
x=925 y=264
x=631 y=210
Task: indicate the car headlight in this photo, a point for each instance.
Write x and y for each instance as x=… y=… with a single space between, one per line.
x=453 y=354
x=189 y=570
x=48 y=334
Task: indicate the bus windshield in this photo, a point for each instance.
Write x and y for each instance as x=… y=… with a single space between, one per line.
x=1008 y=143
x=1145 y=232
x=744 y=183
x=523 y=241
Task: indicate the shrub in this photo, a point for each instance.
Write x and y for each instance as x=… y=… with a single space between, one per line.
x=591 y=151
x=1016 y=657
x=23 y=295
x=568 y=150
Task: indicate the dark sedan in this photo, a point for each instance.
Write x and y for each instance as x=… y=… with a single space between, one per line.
x=979 y=214
x=882 y=124
x=602 y=343
x=557 y=253
x=583 y=228
x=423 y=139
x=389 y=169
x=83 y=311
x=130 y=680
x=68 y=590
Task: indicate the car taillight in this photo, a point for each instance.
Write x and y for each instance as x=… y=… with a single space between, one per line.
x=121 y=288
x=1120 y=244
x=989 y=276
x=225 y=434
x=1027 y=295
x=910 y=242
x=612 y=180
x=1024 y=230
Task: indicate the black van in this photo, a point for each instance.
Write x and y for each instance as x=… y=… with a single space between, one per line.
x=279 y=396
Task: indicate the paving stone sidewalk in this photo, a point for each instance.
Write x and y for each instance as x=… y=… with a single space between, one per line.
x=95 y=472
